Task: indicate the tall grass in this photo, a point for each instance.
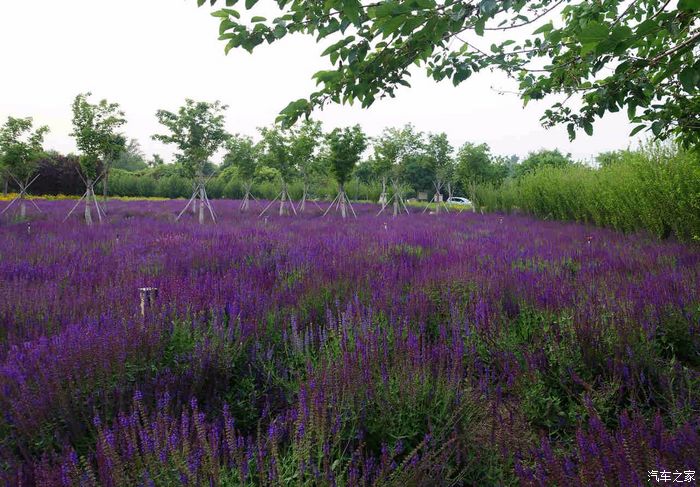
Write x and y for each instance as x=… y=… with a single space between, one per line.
x=655 y=188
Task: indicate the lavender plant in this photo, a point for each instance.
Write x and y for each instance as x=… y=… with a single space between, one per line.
x=460 y=349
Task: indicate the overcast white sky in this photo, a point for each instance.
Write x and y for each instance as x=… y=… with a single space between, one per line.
x=151 y=54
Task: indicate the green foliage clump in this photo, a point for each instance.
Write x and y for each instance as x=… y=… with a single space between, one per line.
x=655 y=188
x=94 y=127
x=345 y=148
x=197 y=130
x=20 y=147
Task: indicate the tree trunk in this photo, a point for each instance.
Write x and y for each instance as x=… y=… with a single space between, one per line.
x=202 y=199
x=90 y=193
x=438 y=196
x=5 y=186
x=194 y=201
x=396 y=204
x=105 y=188
x=302 y=206
x=22 y=207
x=343 y=211
x=283 y=198
x=383 y=198
x=246 y=197
x=472 y=195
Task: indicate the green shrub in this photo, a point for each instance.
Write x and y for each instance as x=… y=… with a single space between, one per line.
x=655 y=188
x=174 y=187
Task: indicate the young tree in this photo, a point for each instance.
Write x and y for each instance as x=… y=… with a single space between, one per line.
x=439 y=150
x=541 y=158
x=156 y=161
x=197 y=130
x=304 y=142
x=276 y=154
x=94 y=129
x=391 y=152
x=115 y=146
x=386 y=157
x=473 y=167
x=131 y=158
x=345 y=148
x=243 y=155
x=20 y=147
x=603 y=56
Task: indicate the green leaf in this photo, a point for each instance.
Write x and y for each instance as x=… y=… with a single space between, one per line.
x=588 y=127
x=544 y=28
x=488 y=7
x=250 y=3
x=647 y=27
x=341 y=43
x=588 y=47
x=689 y=78
x=572 y=132
x=479 y=26
x=689 y=5
x=638 y=128
x=593 y=33
x=279 y=31
x=352 y=10
x=392 y=25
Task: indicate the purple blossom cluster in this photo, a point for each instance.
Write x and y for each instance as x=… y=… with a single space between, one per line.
x=454 y=349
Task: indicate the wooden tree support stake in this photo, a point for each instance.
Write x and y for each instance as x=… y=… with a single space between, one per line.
x=284 y=199
x=398 y=200
x=87 y=196
x=148 y=297
x=200 y=192
x=437 y=198
x=245 y=204
x=23 y=187
x=341 y=201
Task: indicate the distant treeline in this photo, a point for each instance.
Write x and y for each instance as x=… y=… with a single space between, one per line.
x=59 y=174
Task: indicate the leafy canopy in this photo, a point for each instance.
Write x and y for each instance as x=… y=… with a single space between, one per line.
x=131 y=157
x=476 y=164
x=345 y=148
x=603 y=55
x=197 y=130
x=276 y=152
x=242 y=153
x=94 y=129
x=542 y=158
x=393 y=147
x=20 y=147
x=305 y=140
x=439 y=151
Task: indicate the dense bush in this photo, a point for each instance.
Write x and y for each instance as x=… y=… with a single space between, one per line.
x=59 y=175
x=655 y=188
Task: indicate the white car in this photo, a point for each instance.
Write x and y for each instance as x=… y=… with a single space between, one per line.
x=456 y=200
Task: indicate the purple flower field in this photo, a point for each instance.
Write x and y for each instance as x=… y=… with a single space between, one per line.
x=458 y=349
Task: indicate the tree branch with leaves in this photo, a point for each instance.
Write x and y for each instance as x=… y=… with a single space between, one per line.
x=603 y=56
